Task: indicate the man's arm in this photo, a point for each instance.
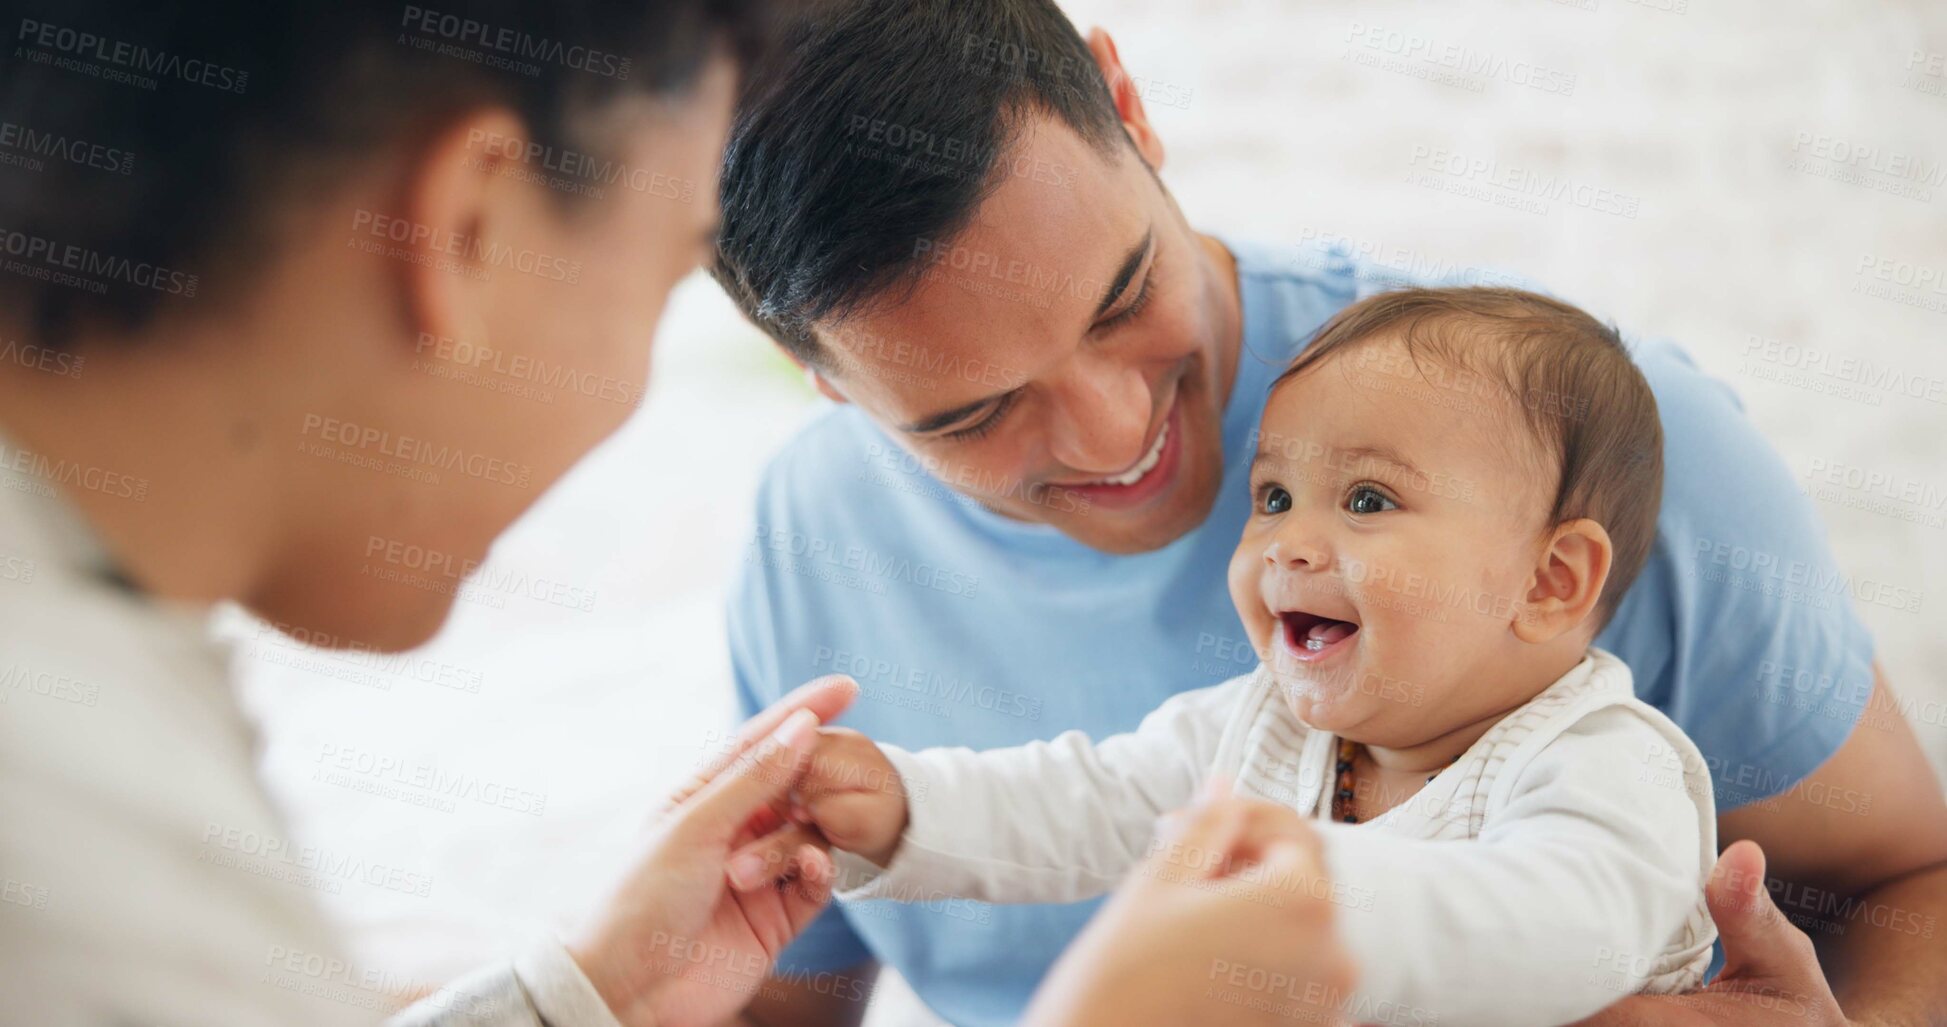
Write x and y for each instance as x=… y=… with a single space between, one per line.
x=1858 y=858
x=814 y=1000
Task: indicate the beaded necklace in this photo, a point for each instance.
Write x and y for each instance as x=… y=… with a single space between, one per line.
x=1342 y=798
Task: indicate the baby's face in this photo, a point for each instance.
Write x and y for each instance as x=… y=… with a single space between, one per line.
x=1395 y=529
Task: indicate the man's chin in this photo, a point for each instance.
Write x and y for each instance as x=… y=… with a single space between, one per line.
x=1130 y=541
x=1127 y=533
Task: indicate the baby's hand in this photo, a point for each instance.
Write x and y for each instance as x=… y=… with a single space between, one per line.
x=854 y=795
x=850 y=792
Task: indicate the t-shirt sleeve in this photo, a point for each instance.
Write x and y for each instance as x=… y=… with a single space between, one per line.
x=1742 y=627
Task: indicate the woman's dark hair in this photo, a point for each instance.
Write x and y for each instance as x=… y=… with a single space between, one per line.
x=146 y=146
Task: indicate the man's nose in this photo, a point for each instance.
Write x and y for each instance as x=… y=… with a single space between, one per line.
x=1101 y=418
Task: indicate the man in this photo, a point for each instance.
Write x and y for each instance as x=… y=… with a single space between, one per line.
x=950 y=214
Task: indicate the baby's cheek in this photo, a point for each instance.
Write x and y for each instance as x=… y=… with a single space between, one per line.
x=1244 y=594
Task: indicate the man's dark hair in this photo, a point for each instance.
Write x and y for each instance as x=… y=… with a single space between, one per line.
x=1578 y=394
x=883 y=124
x=145 y=140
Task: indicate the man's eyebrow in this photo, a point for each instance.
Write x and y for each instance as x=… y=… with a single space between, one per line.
x=934 y=422
x=1130 y=265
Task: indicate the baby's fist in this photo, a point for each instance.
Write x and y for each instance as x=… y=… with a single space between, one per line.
x=854 y=795
x=848 y=796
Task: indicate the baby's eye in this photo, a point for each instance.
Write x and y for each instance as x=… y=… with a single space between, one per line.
x=1273 y=499
x=1364 y=499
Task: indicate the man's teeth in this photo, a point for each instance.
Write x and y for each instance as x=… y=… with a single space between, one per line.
x=1146 y=465
x=1325 y=633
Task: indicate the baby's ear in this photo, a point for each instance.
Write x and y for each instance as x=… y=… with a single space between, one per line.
x=1567 y=585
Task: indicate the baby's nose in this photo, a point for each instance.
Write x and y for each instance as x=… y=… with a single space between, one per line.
x=1293 y=554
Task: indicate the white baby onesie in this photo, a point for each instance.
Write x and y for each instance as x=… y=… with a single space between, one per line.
x=1584 y=820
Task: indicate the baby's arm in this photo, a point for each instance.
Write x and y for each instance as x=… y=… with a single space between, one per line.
x=1049 y=821
x=1558 y=909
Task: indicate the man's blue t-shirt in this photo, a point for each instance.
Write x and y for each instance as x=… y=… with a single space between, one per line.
x=966 y=628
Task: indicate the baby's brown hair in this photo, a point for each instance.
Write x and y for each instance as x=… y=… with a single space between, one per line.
x=1580 y=395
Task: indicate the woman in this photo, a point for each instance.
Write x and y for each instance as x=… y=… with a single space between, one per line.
x=253 y=252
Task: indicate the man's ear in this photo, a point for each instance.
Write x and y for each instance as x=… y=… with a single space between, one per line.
x=457 y=207
x=814 y=377
x=823 y=385
x=1127 y=96
x=1568 y=581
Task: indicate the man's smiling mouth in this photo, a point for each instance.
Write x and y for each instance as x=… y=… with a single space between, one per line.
x=1150 y=477
x=1144 y=466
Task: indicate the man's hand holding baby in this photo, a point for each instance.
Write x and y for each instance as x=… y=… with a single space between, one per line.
x=851 y=796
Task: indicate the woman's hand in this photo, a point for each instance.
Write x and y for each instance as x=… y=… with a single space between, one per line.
x=674 y=946
x=1228 y=921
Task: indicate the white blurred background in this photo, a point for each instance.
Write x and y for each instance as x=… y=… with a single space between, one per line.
x=1778 y=160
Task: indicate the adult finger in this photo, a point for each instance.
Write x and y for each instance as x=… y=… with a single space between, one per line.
x=825 y=697
x=807 y=897
x=1195 y=843
x=761 y=776
x=1269 y=826
x=1759 y=943
x=1646 y=1011
x=1757 y=938
x=760 y=863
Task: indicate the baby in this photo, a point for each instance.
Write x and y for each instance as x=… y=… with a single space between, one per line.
x=1451 y=491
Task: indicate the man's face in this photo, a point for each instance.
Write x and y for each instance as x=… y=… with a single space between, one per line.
x=1066 y=358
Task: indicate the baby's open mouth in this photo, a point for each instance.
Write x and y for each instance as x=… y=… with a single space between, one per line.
x=1310 y=635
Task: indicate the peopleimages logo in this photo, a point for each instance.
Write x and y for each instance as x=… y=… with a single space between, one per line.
x=464 y=578
x=41 y=358
x=465 y=247
x=307 y=866
x=861 y=560
x=1449 y=170
x=107 y=58
x=27 y=142
x=1451 y=63
x=73 y=475
x=448 y=352
x=415 y=451
x=35 y=256
x=17 y=569
x=582 y=167
x=1798 y=580
x=512 y=43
